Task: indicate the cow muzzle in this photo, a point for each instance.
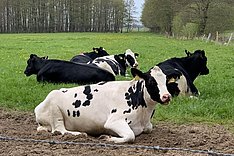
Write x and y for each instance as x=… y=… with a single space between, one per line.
x=27 y=73
x=166 y=98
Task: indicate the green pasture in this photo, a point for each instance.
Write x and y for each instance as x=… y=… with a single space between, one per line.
x=214 y=105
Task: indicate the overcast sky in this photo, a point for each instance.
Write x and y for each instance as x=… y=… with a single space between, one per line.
x=138 y=4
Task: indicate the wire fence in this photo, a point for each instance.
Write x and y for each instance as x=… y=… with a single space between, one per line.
x=106 y=145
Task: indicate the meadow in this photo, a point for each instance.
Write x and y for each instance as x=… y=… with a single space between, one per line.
x=214 y=105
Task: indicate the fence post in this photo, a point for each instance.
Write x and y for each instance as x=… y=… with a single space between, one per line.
x=217 y=37
x=230 y=38
x=208 y=38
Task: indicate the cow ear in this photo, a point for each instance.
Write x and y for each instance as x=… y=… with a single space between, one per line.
x=137 y=73
x=187 y=52
x=136 y=54
x=95 y=50
x=45 y=57
x=33 y=55
x=203 y=52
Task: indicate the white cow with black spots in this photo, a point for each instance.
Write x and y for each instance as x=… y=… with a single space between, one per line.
x=121 y=109
x=117 y=64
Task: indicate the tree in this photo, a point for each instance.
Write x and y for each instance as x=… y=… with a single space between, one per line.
x=167 y=16
x=130 y=10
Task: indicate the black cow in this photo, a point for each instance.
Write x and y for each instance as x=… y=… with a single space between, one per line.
x=117 y=64
x=181 y=72
x=58 y=71
x=89 y=56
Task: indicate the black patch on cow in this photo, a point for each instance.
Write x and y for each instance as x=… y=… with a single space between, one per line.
x=75 y=95
x=127 y=97
x=64 y=91
x=127 y=111
x=76 y=113
x=127 y=121
x=86 y=103
x=135 y=96
x=95 y=90
x=102 y=83
x=87 y=90
x=131 y=60
x=68 y=113
x=77 y=103
x=152 y=88
x=113 y=110
x=152 y=114
x=88 y=94
x=173 y=89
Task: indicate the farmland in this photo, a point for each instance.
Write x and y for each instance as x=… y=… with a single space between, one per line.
x=215 y=103
x=184 y=118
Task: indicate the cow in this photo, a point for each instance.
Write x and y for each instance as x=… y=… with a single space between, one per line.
x=181 y=72
x=59 y=71
x=89 y=56
x=117 y=64
x=121 y=109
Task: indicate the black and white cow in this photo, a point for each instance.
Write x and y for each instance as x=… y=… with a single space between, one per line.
x=117 y=64
x=58 y=71
x=89 y=56
x=124 y=113
x=181 y=72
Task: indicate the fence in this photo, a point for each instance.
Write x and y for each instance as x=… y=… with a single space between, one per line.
x=104 y=145
x=224 y=38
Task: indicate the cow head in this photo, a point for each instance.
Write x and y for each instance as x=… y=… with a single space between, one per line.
x=155 y=83
x=101 y=51
x=131 y=58
x=199 y=61
x=32 y=65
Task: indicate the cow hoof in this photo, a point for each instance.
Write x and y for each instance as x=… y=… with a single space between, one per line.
x=41 y=128
x=85 y=135
x=104 y=137
x=55 y=133
x=193 y=97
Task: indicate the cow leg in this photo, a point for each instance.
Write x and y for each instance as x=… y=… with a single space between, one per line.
x=148 y=128
x=58 y=123
x=122 y=129
x=59 y=126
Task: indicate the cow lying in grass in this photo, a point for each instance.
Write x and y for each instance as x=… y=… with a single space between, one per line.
x=121 y=109
x=181 y=72
x=89 y=56
x=58 y=71
x=117 y=64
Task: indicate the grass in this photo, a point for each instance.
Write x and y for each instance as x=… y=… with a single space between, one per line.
x=214 y=105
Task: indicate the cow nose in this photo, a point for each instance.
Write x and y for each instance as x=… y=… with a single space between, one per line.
x=166 y=98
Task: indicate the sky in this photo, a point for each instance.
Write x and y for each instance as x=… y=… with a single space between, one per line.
x=138 y=4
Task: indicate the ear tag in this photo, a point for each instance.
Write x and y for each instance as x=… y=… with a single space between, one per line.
x=172 y=80
x=136 y=78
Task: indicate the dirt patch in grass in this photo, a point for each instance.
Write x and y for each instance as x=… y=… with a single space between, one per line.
x=188 y=136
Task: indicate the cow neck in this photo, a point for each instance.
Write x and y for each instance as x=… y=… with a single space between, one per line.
x=147 y=104
x=148 y=100
x=40 y=63
x=189 y=66
x=122 y=63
